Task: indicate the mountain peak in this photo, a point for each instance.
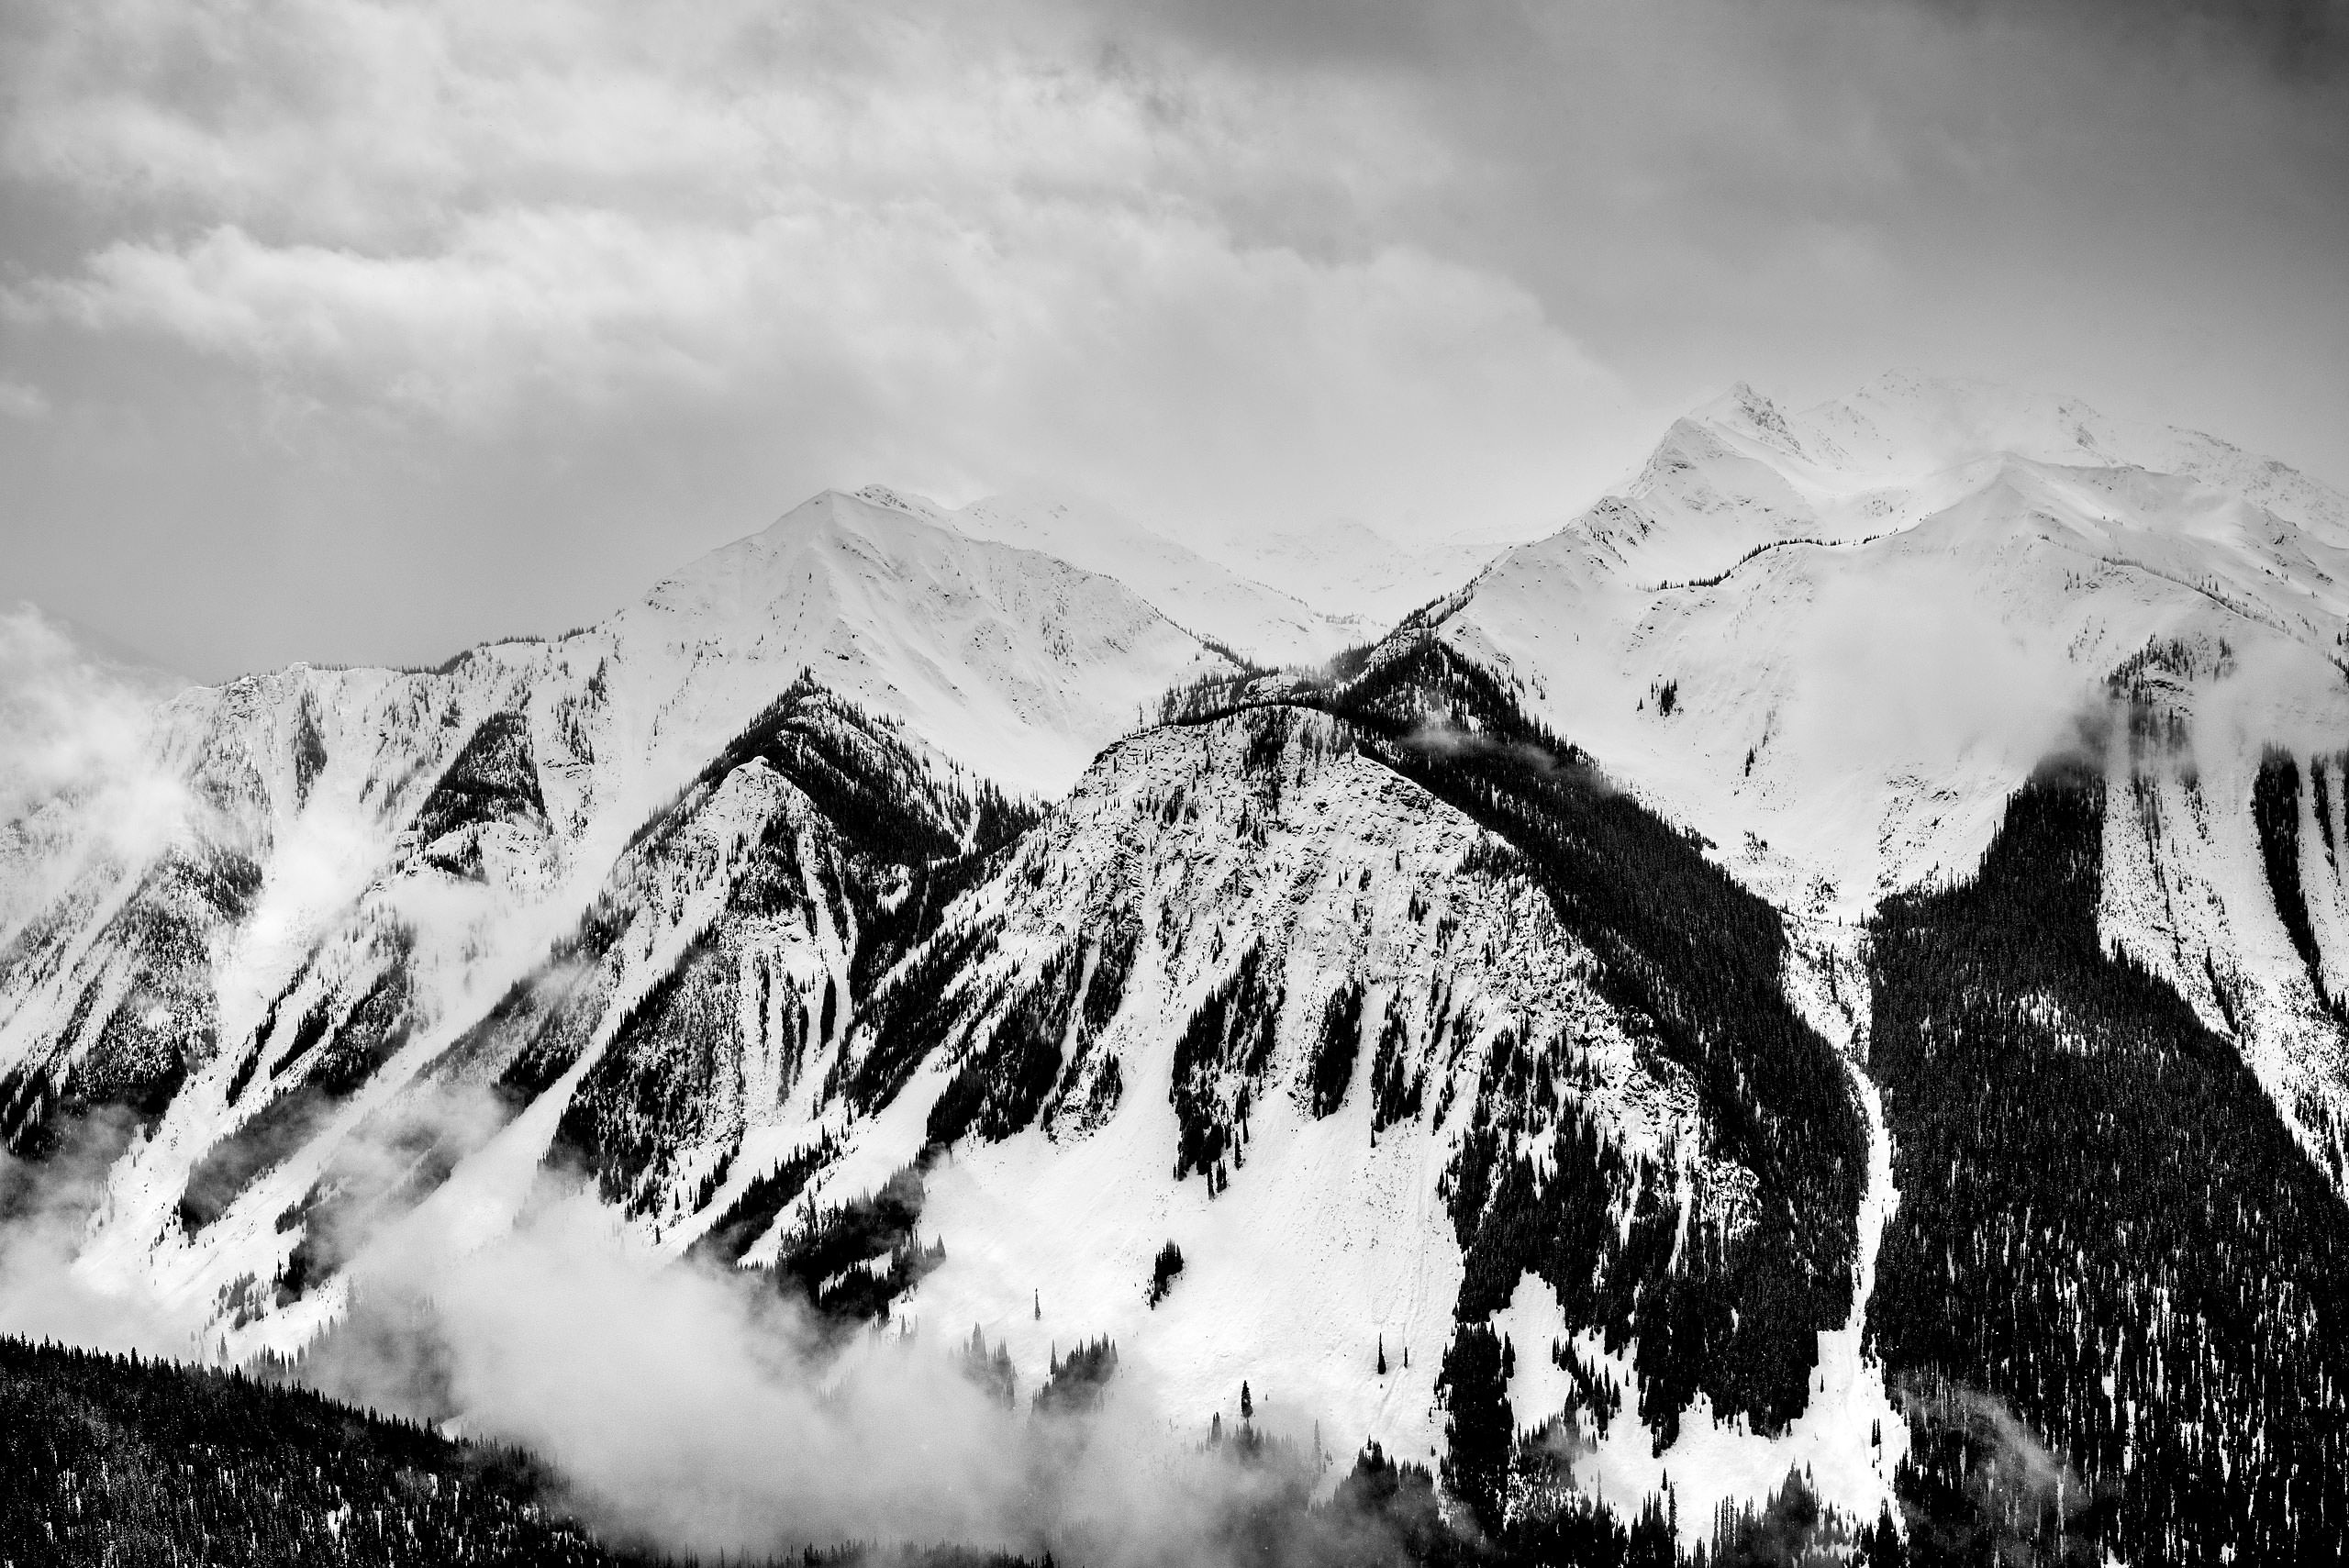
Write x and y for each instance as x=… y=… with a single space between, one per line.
x=1750 y=411
x=1013 y=661
x=912 y=505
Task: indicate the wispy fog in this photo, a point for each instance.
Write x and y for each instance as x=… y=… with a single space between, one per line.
x=47 y=1290
x=683 y=1405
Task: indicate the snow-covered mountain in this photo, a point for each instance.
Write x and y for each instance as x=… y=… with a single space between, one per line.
x=1367 y=579
x=1638 y=1002
x=1836 y=642
x=419 y=837
x=1260 y=623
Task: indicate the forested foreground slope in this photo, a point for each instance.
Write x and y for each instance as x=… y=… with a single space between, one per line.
x=2106 y=1226
x=108 y=1460
x=117 y=1461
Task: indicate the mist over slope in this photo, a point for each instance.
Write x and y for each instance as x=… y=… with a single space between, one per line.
x=1514 y=1042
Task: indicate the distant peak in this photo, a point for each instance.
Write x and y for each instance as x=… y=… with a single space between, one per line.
x=899 y=501
x=1746 y=410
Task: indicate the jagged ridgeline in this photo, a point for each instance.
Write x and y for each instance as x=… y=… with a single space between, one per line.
x=1569 y=957
x=136 y=1034
x=2105 y=1229
x=850 y=870
x=723 y=959
x=1523 y=966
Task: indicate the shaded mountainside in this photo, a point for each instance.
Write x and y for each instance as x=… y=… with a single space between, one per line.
x=847 y=1019
x=2105 y=1227
x=1317 y=955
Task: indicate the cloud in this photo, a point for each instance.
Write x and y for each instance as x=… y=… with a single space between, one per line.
x=77 y=777
x=2298 y=39
x=553 y=282
x=700 y=1409
x=1899 y=666
x=695 y=1408
x=983 y=249
x=1016 y=331
x=2022 y=1491
x=46 y=1291
x=701 y=1412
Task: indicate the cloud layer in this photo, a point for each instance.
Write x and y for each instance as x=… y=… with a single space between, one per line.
x=502 y=311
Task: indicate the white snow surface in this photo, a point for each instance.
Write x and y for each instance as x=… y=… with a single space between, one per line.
x=1196 y=592
x=1368 y=579
x=1899 y=604
x=1876 y=618
x=1011 y=664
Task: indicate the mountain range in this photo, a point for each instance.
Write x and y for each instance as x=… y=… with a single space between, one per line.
x=1832 y=961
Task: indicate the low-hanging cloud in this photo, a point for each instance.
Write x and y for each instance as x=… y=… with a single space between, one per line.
x=681 y=1405
x=69 y=721
x=2022 y=1491
x=692 y=1409
x=78 y=776
x=47 y=1289
x=698 y=1409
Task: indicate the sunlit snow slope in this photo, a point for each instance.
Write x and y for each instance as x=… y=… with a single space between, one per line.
x=353 y=863
x=1836 y=642
x=1260 y=623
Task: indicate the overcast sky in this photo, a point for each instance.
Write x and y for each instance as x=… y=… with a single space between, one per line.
x=361 y=331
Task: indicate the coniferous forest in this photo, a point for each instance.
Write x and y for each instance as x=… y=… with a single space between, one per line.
x=116 y=1460
x=113 y=1460
x=2106 y=1233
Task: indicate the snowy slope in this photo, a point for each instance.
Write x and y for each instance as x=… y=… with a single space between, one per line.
x=1367 y=579
x=1897 y=619
x=1292 y=833
x=1835 y=641
x=397 y=848
x=1133 y=1030
x=731 y=1008
x=1206 y=597
x=1013 y=663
